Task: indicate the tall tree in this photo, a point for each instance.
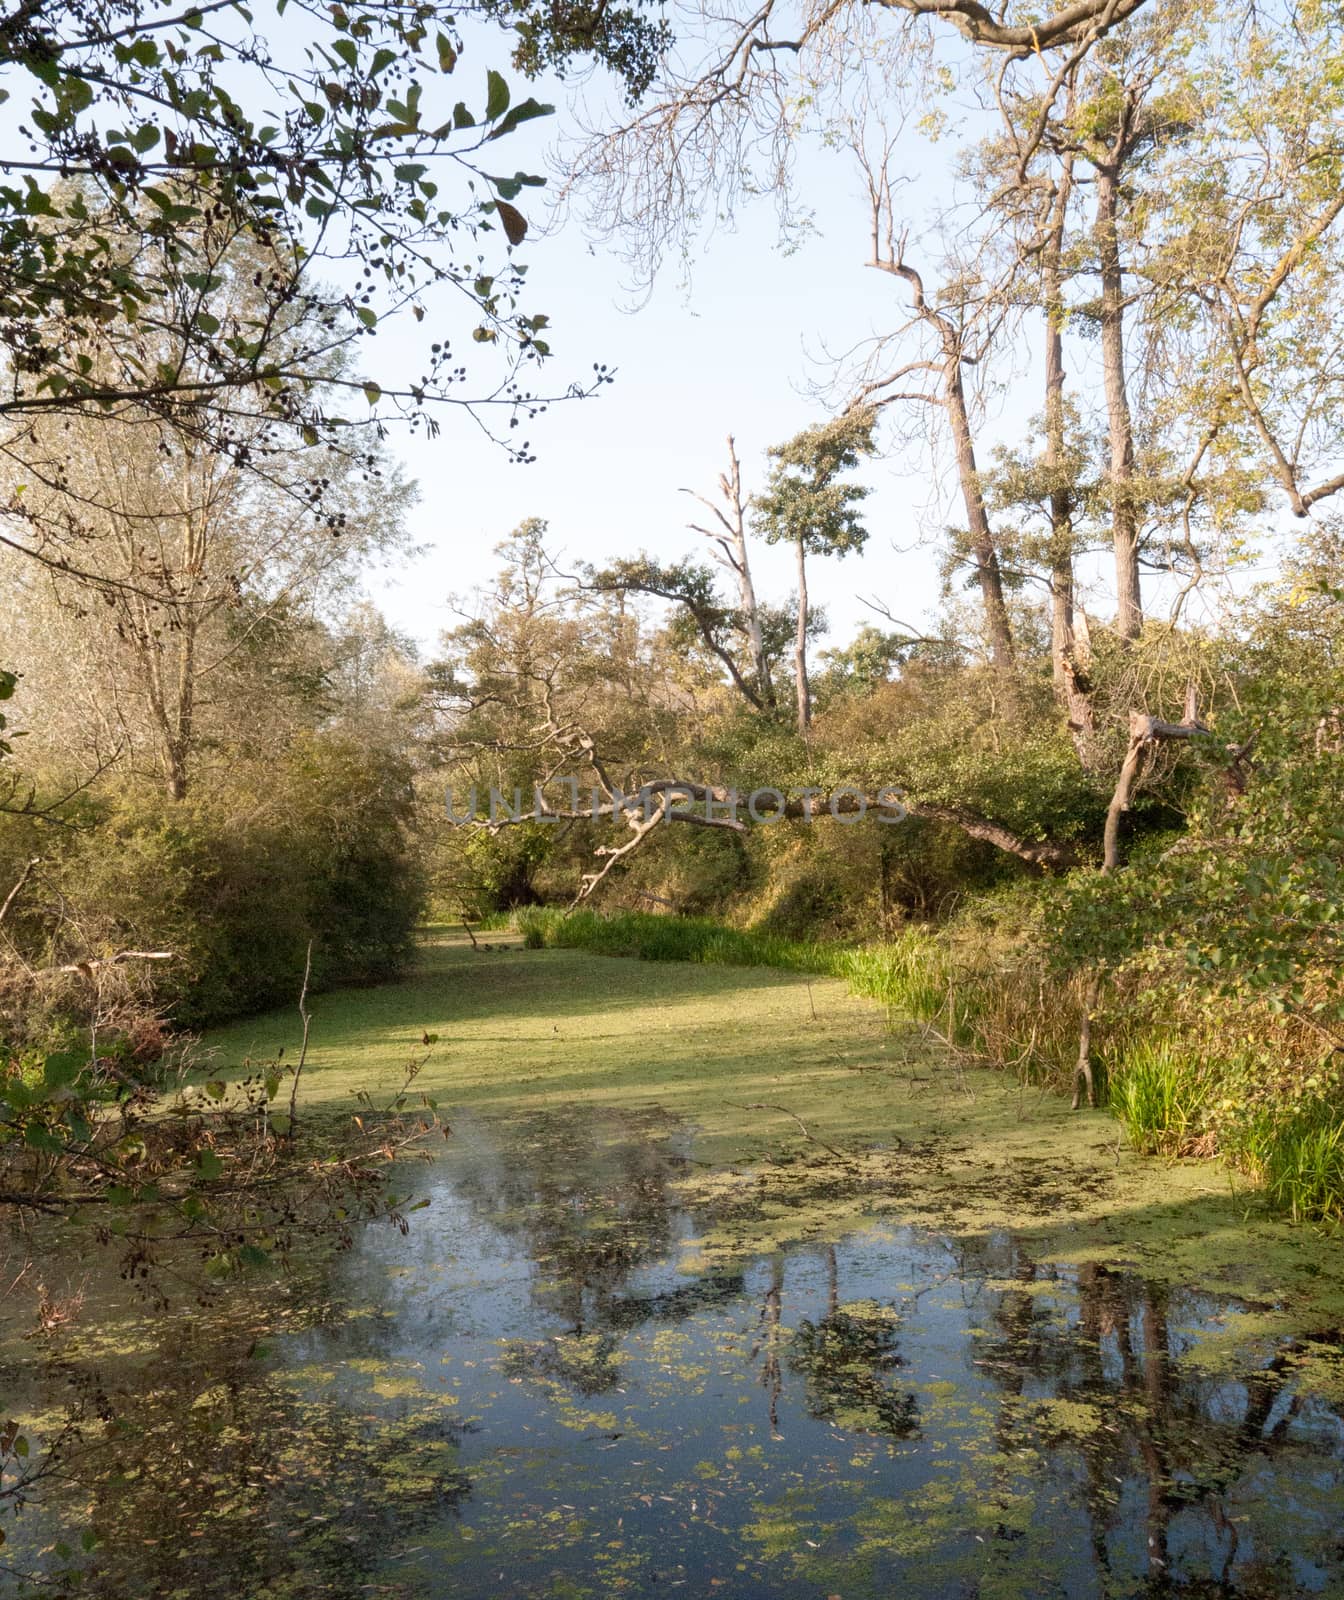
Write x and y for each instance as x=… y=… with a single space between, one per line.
x=805 y=505
x=958 y=327
x=194 y=574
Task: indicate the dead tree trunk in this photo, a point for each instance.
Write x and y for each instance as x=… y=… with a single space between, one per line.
x=731 y=538
x=1120 y=427
x=949 y=367
x=1069 y=656
x=998 y=630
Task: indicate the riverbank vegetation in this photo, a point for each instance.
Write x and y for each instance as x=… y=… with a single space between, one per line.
x=1147 y=917
x=1114 y=868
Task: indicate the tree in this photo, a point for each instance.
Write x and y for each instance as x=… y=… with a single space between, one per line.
x=803 y=504
x=956 y=346
x=164 y=566
x=729 y=536
x=159 y=142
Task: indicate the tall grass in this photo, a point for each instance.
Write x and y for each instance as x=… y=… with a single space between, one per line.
x=908 y=974
x=1161 y=1092
x=1297 y=1156
x=655 y=938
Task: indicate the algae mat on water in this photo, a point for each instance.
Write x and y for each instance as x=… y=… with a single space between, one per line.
x=725 y=1286
x=808 y=1111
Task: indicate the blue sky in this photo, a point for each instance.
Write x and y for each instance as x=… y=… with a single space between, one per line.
x=732 y=352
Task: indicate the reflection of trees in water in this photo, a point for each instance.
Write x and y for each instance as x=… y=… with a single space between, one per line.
x=847 y=1359
x=1186 y=1438
x=586 y=1362
x=210 y=1475
x=770 y=1341
x=588 y=1194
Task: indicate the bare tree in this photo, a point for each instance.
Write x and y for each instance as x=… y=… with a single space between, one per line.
x=960 y=331
x=729 y=536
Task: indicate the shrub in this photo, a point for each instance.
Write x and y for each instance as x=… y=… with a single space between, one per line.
x=235 y=883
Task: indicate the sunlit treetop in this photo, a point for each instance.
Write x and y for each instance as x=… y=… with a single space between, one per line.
x=345 y=146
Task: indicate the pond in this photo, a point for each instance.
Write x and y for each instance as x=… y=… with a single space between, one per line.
x=596 y=1366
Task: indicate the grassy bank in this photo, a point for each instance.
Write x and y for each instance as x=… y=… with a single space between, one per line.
x=803 y=1111
x=1173 y=1093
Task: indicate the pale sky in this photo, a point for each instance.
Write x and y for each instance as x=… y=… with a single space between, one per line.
x=734 y=353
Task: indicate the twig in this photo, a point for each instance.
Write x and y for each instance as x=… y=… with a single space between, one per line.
x=87 y=969
x=760 y=1105
x=303 y=1048
x=15 y=891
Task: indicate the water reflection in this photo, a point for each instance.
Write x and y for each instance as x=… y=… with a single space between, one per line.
x=545 y=1390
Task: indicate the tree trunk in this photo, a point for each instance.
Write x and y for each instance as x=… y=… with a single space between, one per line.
x=1124 y=517
x=997 y=628
x=755 y=637
x=800 y=646
x=1061 y=496
x=746 y=588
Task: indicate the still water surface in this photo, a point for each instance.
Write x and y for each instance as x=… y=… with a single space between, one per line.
x=547 y=1389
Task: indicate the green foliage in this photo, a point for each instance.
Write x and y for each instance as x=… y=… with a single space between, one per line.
x=1298 y=1155
x=1161 y=1092
x=908 y=974
x=235 y=886
x=869 y=659
x=321 y=144
x=654 y=938
x=802 y=503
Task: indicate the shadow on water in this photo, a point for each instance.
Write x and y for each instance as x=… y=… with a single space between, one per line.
x=548 y=1389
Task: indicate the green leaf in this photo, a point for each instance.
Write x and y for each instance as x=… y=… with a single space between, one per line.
x=496 y=96
x=372 y=393
x=59 y=1071
x=526 y=111
x=447 y=53
x=208 y=1165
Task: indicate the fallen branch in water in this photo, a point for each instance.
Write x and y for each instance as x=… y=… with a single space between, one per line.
x=760 y=1105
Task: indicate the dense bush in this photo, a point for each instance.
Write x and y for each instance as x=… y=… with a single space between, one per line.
x=235 y=883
